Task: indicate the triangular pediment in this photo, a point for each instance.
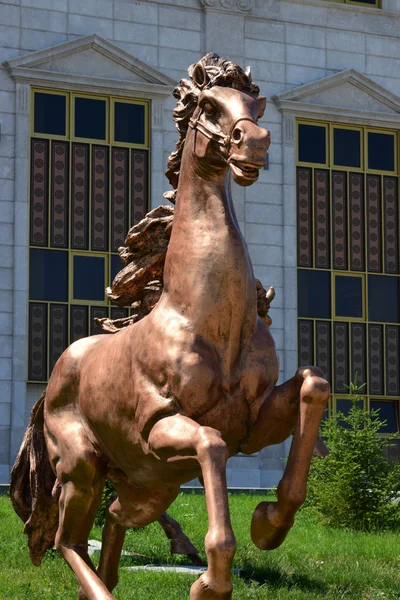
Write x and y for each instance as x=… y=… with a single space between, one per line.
x=88 y=57
x=349 y=90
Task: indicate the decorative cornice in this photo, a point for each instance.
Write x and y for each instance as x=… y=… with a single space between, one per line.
x=304 y=93
x=243 y=6
x=35 y=67
x=300 y=101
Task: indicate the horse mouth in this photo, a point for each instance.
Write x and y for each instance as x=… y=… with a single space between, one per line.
x=245 y=172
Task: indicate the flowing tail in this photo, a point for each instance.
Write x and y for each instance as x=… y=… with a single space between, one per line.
x=34 y=489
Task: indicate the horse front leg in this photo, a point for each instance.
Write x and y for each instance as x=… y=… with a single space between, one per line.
x=297 y=404
x=176 y=439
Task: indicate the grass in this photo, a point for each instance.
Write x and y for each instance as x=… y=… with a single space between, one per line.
x=314 y=563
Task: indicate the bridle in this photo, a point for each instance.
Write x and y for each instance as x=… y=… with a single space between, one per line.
x=222 y=140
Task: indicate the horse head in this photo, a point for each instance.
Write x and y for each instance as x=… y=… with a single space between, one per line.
x=227 y=131
x=220 y=106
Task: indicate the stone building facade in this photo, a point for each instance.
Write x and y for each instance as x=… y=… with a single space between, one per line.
x=330 y=65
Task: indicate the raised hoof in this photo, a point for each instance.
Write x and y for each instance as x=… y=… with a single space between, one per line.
x=202 y=589
x=268 y=529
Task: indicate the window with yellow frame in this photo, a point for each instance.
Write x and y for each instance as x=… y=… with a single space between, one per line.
x=348 y=261
x=370 y=3
x=89 y=182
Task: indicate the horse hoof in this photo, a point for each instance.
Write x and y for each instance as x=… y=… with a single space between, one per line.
x=268 y=529
x=203 y=589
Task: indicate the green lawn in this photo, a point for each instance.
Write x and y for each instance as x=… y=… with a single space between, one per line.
x=314 y=562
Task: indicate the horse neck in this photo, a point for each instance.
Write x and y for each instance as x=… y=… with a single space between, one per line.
x=208 y=273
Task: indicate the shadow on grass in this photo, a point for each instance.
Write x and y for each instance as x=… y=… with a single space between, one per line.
x=277 y=578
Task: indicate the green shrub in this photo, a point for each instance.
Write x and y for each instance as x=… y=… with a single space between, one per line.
x=356 y=485
x=108 y=491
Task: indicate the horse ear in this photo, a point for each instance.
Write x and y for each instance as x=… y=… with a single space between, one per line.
x=248 y=73
x=200 y=76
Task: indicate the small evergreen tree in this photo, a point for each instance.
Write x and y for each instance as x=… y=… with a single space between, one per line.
x=356 y=485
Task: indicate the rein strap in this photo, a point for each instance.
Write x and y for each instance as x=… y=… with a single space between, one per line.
x=223 y=140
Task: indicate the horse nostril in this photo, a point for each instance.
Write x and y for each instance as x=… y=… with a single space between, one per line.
x=237 y=135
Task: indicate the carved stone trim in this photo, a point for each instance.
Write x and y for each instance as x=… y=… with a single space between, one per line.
x=22 y=104
x=157 y=113
x=232 y=5
x=288 y=130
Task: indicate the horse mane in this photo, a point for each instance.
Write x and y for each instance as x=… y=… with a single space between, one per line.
x=139 y=284
x=216 y=71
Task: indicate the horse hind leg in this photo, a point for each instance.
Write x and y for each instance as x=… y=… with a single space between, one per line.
x=180 y=543
x=82 y=474
x=130 y=507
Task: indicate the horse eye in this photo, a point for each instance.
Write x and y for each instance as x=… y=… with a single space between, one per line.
x=260 y=116
x=208 y=108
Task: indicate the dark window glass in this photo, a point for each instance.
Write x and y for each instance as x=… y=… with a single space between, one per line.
x=348 y=296
x=381 y=151
x=344 y=405
x=312 y=144
x=116 y=266
x=347 y=147
x=89 y=281
x=49 y=114
x=48 y=275
x=314 y=294
x=387 y=412
x=129 y=123
x=373 y=2
x=383 y=299
x=90 y=118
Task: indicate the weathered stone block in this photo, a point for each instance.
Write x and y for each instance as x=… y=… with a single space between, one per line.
x=243 y=478
x=6 y=216
x=9 y=36
x=258 y=29
x=33 y=39
x=4 y=416
x=296 y=75
x=6 y=345
x=100 y=8
x=4 y=445
x=5 y=324
x=346 y=41
x=60 y=5
x=180 y=39
x=270 y=51
x=301 y=35
x=10 y=15
x=345 y=60
x=270 y=214
x=6 y=234
x=47 y=20
x=180 y=17
x=136 y=33
x=136 y=12
x=257 y=233
x=300 y=55
x=265 y=255
x=147 y=54
x=5 y=369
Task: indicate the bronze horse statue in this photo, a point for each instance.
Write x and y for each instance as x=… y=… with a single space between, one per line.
x=174 y=395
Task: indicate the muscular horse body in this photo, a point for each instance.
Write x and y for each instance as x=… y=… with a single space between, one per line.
x=171 y=397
